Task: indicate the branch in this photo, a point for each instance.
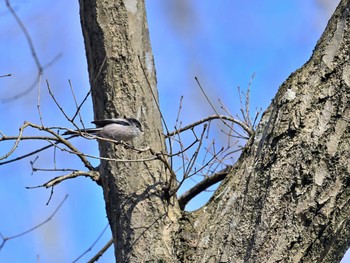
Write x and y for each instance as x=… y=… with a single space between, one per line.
x=245 y=127
x=4 y=138
x=34 y=55
x=100 y=253
x=6 y=75
x=5 y=239
x=93 y=244
x=94 y=175
x=203 y=185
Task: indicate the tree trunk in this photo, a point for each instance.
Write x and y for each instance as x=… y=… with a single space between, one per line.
x=288 y=197
x=288 y=200
x=142 y=218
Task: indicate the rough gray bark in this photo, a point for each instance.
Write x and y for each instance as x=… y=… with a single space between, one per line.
x=288 y=197
x=141 y=216
x=288 y=200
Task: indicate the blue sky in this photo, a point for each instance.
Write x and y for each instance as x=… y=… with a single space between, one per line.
x=223 y=44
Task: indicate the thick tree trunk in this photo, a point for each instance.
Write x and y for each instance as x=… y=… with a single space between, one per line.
x=288 y=199
x=142 y=218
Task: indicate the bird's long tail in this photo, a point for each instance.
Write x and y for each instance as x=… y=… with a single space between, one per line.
x=77 y=132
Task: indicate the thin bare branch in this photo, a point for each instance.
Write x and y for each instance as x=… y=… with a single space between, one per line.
x=58 y=105
x=100 y=253
x=206 y=96
x=81 y=105
x=4 y=138
x=6 y=75
x=247 y=129
x=38 y=102
x=94 y=175
x=76 y=103
x=92 y=245
x=58 y=138
x=231 y=129
x=5 y=239
x=195 y=154
x=22 y=93
x=27 y=36
x=154 y=97
x=206 y=165
x=34 y=55
x=15 y=145
x=83 y=155
x=182 y=150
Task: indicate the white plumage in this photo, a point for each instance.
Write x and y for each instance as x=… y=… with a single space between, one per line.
x=119 y=129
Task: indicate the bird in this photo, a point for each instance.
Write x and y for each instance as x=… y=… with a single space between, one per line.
x=118 y=129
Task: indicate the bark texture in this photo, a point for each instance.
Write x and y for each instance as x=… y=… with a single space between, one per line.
x=142 y=218
x=288 y=199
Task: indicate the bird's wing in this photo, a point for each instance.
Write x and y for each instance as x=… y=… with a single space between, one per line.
x=102 y=123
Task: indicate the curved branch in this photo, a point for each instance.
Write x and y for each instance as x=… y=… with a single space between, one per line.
x=94 y=175
x=201 y=186
x=244 y=126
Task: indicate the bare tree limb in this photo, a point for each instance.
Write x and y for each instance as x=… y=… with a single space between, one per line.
x=198 y=188
x=6 y=75
x=4 y=138
x=93 y=244
x=94 y=175
x=57 y=138
x=245 y=127
x=34 y=55
x=100 y=253
x=5 y=239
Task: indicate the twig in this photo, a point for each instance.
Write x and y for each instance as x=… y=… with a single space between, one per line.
x=92 y=245
x=195 y=155
x=247 y=129
x=5 y=239
x=81 y=105
x=94 y=175
x=27 y=36
x=38 y=102
x=34 y=54
x=154 y=97
x=208 y=162
x=178 y=124
x=83 y=155
x=192 y=161
x=58 y=138
x=6 y=75
x=205 y=95
x=100 y=253
x=30 y=138
x=76 y=103
x=58 y=105
x=231 y=129
x=182 y=150
x=167 y=165
x=22 y=93
x=15 y=145
x=211 y=105
x=89 y=92
x=178 y=113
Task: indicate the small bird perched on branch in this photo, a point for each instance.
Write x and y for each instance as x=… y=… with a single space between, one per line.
x=119 y=129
